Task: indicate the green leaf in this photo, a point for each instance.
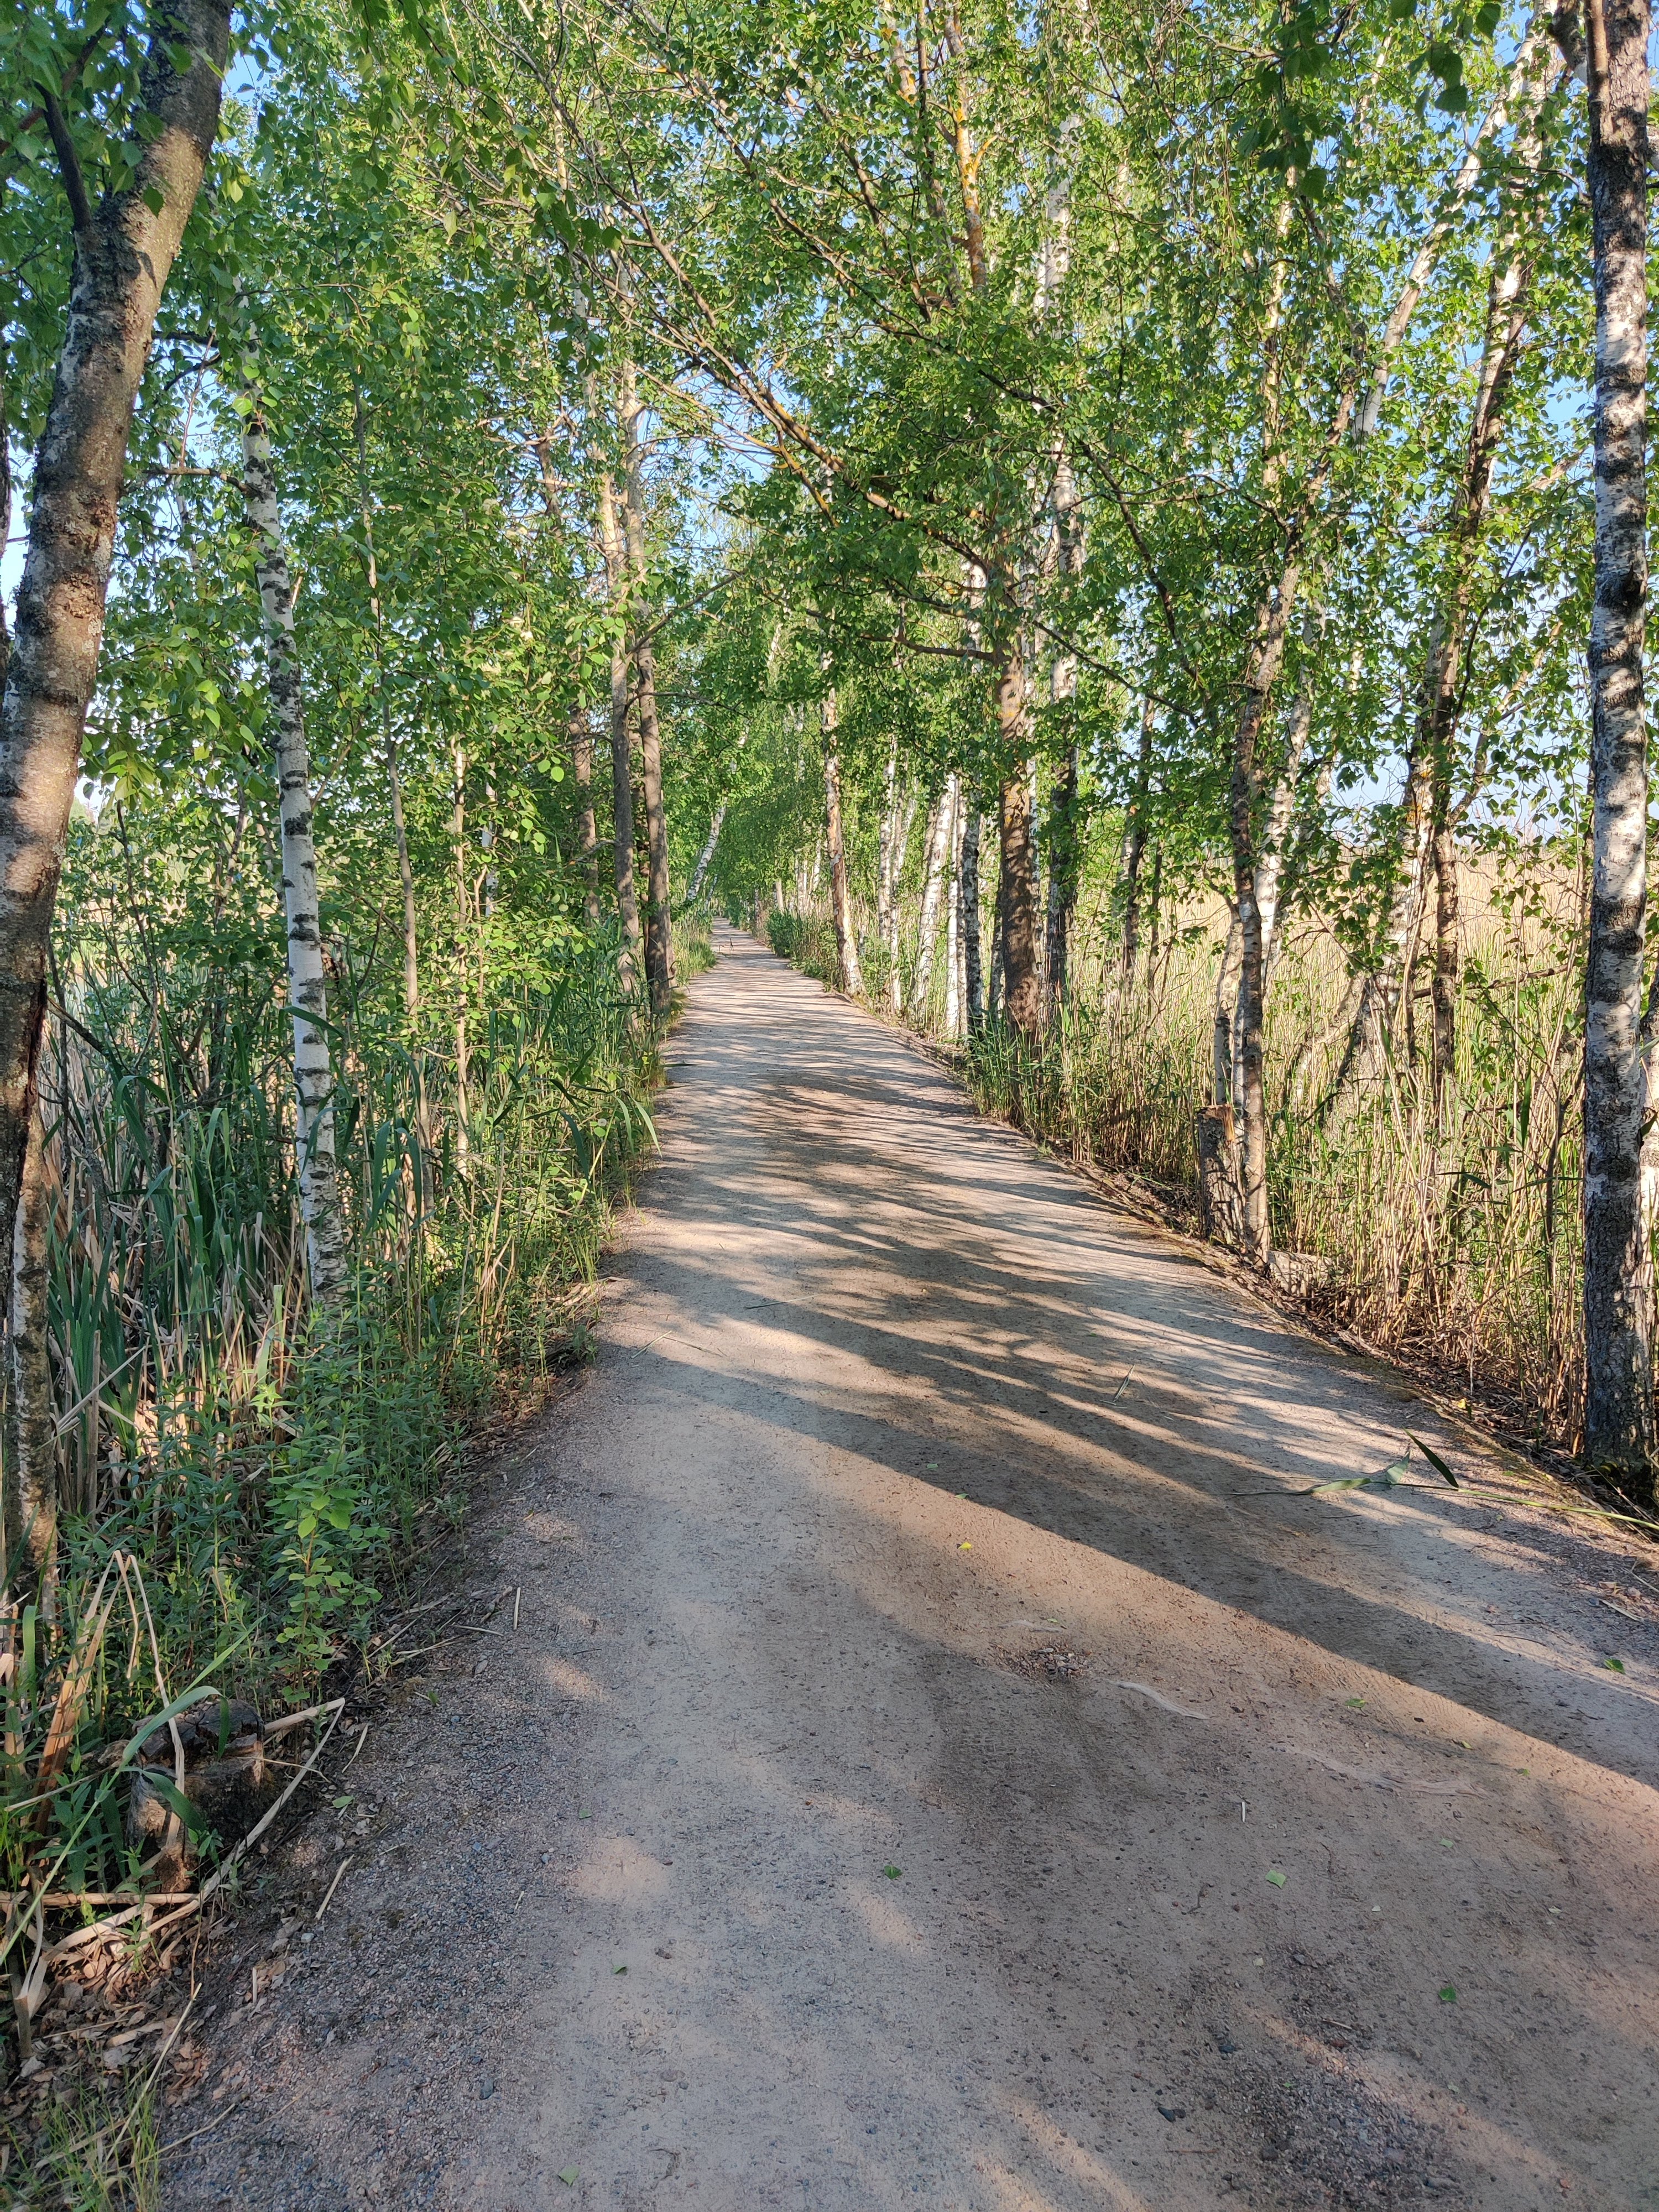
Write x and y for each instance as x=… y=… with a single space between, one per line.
x=154 y=198
x=569 y=2176
x=1449 y=1995
x=892 y=1873
x=1277 y=1879
x=1614 y=1666
x=1434 y=1460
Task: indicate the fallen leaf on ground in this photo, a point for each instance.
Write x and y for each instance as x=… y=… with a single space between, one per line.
x=1276 y=1878
x=569 y=2176
x=892 y=1873
x=1449 y=1995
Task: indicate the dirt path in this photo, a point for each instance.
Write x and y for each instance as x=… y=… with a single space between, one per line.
x=886 y=1796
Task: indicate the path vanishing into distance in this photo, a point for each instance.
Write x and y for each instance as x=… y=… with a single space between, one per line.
x=937 y=1761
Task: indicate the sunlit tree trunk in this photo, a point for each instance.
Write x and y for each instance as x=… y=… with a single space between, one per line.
x=900 y=851
x=124 y=252
x=622 y=764
x=973 y=969
x=1619 y=1413
x=1261 y=673
x=885 y=848
x=953 y=992
x=658 y=939
x=941 y=829
x=846 y=943
x=1134 y=845
x=1223 y=1035
x=31 y=1502
x=313 y=1080
x=1065 y=858
x=463 y=932
x=1015 y=890
x=706 y=858
x=1273 y=845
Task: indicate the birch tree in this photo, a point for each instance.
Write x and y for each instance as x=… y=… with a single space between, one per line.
x=313 y=1081
x=1618 y=1409
x=123 y=252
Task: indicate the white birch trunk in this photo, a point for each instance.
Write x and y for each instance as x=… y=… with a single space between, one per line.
x=1618 y=1414
x=846 y=943
x=953 y=928
x=940 y=827
x=314 y=1083
x=706 y=858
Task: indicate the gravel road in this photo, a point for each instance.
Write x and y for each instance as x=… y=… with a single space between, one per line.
x=937 y=1761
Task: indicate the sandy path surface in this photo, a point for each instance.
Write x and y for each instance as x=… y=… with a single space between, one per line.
x=886 y=1795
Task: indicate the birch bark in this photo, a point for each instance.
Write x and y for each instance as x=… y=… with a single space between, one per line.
x=124 y=253
x=953 y=927
x=973 y=967
x=1618 y=1411
x=941 y=836
x=706 y=858
x=889 y=840
x=313 y=1081
x=1022 y=995
x=846 y=943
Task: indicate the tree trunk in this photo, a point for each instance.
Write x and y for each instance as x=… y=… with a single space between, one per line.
x=621 y=766
x=1224 y=1069
x=941 y=830
x=1267 y=658
x=901 y=849
x=463 y=930
x=1134 y=845
x=1220 y=1212
x=587 y=833
x=953 y=992
x=973 y=969
x=706 y=858
x=1619 y=1413
x=31 y=1503
x=124 y=253
x=658 y=939
x=1064 y=856
x=846 y=943
x=314 y=1082
x=886 y=848
x=1016 y=894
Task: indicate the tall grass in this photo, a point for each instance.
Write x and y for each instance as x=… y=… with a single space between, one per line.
x=244 y=1477
x=1450 y=1231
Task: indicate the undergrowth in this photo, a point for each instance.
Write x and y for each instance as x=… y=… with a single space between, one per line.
x=1448 y=1231
x=245 y=1479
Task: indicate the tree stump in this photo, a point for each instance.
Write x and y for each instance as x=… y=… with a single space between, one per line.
x=1220 y=1200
